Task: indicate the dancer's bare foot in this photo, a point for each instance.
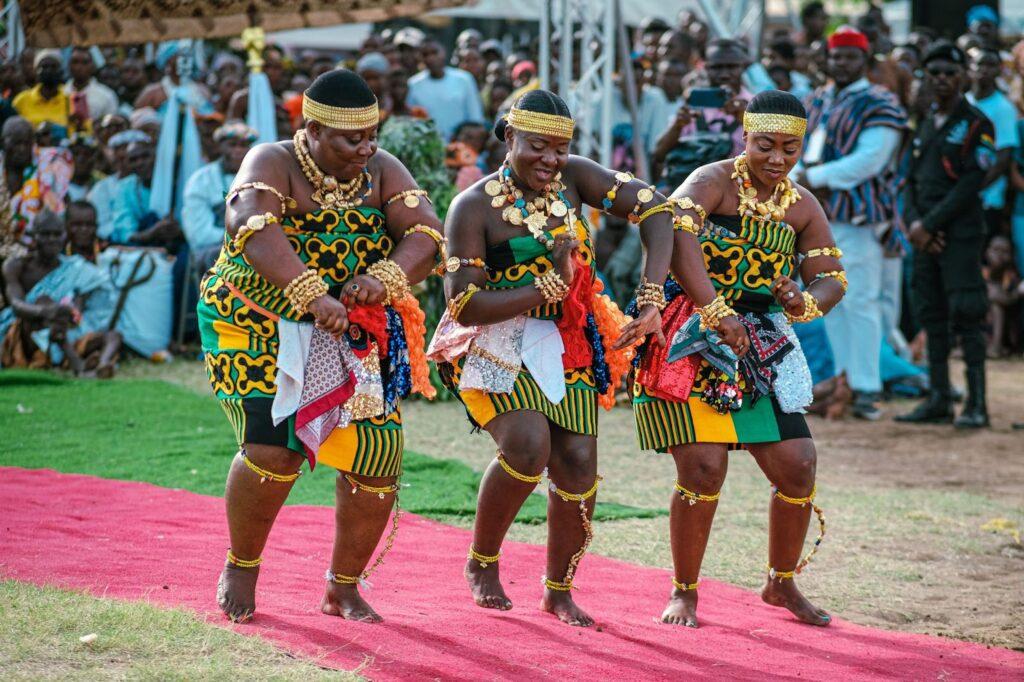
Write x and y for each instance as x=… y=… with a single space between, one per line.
x=681 y=609
x=785 y=594
x=561 y=604
x=345 y=602
x=236 y=592
x=486 y=586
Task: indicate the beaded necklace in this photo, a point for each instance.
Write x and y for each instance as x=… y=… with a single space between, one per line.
x=783 y=195
x=534 y=214
x=328 y=191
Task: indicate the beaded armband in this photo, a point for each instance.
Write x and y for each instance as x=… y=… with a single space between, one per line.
x=621 y=178
x=439 y=239
x=305 y=289
x=811 y=310
x=837 y=275
x=552 y=286
x=253 y=225
x=833 y=251
x=394 y=279
x=286 y=202
x=685 y=221
x=409 y=197
x=454 y=264
x=460 y=301
x=643 y=196
x=713 y=313
x=649 y=293
x=654 y=210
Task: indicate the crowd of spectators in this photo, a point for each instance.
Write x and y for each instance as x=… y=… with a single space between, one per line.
x=92 y=140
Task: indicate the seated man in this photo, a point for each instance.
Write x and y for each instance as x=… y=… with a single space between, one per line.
x=60 y=308
x=133 y=223
x=104 y=193
x=202 y=214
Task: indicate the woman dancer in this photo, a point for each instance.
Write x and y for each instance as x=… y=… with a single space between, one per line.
x=322 y=229
x=527 y=342
x=752 y=224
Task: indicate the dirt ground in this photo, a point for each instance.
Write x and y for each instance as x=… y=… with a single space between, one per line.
x=922 y=520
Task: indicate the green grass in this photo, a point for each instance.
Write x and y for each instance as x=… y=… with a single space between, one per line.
x=152 y=431
x=40 y=629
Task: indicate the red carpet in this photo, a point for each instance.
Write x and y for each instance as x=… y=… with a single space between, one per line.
x=138 y=541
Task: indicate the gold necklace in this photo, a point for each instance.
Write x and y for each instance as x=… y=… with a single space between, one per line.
x=534 y=214
x=328 y=191
x=783 y=195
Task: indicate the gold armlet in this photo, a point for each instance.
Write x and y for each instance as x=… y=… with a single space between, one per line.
x=660 y=208
x=409 y=197
x=394 y=279
x=685 y=223
x=649 y=293
x=286 y=202
x=621 y=178
x=254 y=224
x=833 y=251
x=643 y=196
x=439 y=239
x=460 y=301
x=454 y=264
x=687 y=204
x=305 y=289
x=713 y=313
x=837 y=275
x=552 y=286
x=811 y=310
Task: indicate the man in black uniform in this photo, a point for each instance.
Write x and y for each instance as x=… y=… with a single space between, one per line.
x=952 y=150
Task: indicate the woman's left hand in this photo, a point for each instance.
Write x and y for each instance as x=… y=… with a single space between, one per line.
x=647 y=322
x=789 y=296
x=364 y=290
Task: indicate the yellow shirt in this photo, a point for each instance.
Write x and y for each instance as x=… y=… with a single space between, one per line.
x=31 y=105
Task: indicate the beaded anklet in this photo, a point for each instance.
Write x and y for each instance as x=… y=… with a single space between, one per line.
x=694 y=498
x=482 y=559
x=269 y=475
x=802 y=502
x=684 y=587
x=588 y=531
x=243 y=563
x=380 y=492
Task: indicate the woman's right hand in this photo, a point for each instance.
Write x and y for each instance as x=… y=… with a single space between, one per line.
x=734 y=334
x=330 y=314
x=562 y=256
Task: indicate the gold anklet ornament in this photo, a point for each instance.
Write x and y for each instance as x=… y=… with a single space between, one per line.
x=556 y=586
x=588 y=532
x=304 y=289
x=394 y=279
x=693 y=498
x=269 y=475
x=342 y=579
x=803 y=502
x=482 y=559
x=243 y=563
x=380 y=492
x=684 y=587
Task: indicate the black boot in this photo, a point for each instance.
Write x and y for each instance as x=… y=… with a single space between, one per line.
x=937 y=408
x=975 y=412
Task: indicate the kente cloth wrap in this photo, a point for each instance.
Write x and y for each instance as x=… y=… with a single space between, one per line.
x=584 y=321
x=239 y=317
x=692 y=400
x=844 y=119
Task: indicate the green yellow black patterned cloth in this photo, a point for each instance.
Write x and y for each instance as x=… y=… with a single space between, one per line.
x=239 y=312
x=516 y=263
x=743 y=257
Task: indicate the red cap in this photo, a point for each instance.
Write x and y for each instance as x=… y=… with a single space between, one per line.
x=848 y=36
x=523 y=66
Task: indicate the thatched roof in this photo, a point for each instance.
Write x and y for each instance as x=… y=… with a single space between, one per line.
x=57 y=23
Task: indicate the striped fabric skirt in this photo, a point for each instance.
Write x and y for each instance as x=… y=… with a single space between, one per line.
x=577 y=412
x=240 y=342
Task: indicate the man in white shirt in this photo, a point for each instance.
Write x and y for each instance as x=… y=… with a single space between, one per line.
x=984 y=67
x=202 y=213
x=854 y=131
x=449 y=95
x=660 y=102
x=99 y=99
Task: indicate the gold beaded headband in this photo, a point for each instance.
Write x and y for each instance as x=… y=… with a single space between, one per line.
x=774 y=123
x=542 y=124
x=343 y=118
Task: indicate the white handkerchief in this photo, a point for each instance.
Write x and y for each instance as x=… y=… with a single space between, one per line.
x=542 y=355
x=292 y=351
